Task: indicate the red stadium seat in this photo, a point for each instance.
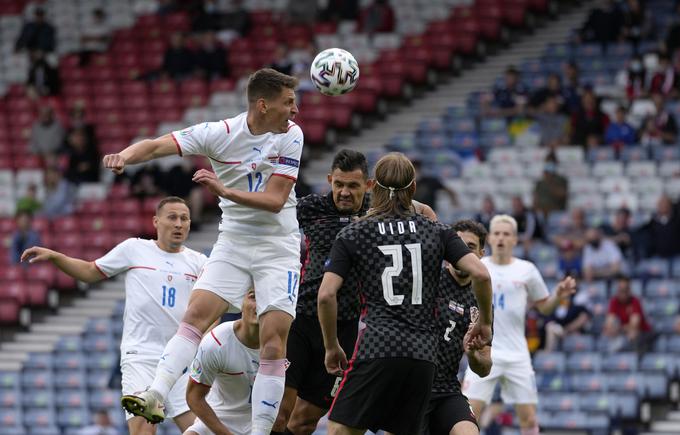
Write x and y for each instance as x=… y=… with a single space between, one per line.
x=69 y=240
x=66 y=224
x=93 y=208
x=92 y=253
x=16 y=290
x=13 y=272
x=98 y=223
x=42 y=272
x=9 y=311
x=119 y=190
x=112 y=132
x=126 y=206
x=133 y=88
x=101 y=239
x=177 y=22
x=7 y=225
x=65 y=282
x=221 y=85
x=27 y=162
x=149 y=205
x=41 y=224
x=36 y=293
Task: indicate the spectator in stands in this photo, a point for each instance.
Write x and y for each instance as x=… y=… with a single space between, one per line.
x=571 y=88
x=553 y=125
x=589 y=123
x=95 y=36
x=569 y=259
x=637 y=24
x=83 y=158
x=569 y=317
x=177 y=181
x=60 y=194
x=340 y=10
x=664 y=80
x=550 y=192
x=429 y=187
x=302 y=12
x=574 y=230
x=620 y=232
x=626 y=325
x=178 y=60
x=47 y=134
x=211 y=57
x=24 y=237
x=302 y=188
x=236 y=22
x=43 y=78
x=602 y=258
x=208 y=17
x=29 y=203
x=78 y=121
x=166 y=7
x=636 y=79
x=552 y=88
x=619 y=132
x=282 y=60
x=487 y=212
x=672 y=41
x=37 y=34
x=528 y=227
x=145 y=182
x=662 y=126
x=512 y=95
x=102 y=425
x=604 y=24
x=377 y=17
x=663 y=230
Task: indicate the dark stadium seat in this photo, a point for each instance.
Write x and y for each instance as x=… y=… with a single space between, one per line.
x=10 y=397
x=621 y=362
x=71 y=398
x=74 y=417
x=40 y=361
x=11 y=419
x=101 y=360
x=588 y=382
x=560 y=402
x=41 y=398
x=549 y=362
x=552 y=382
x=70 y=378
x=584 y=362
x=40 y=417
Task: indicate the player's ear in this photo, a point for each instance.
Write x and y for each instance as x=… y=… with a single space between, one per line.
x=261 y=105
x=370 y=183
x=155 y=221
x=482 y=253
x=329 y=178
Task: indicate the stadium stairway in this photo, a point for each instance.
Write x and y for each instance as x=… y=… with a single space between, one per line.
x=453 y=93
x=669 y=425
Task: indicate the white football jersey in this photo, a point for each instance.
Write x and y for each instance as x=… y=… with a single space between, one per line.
x=247 y=162
x=157 y=288
x=514 y=285
x=229 y=367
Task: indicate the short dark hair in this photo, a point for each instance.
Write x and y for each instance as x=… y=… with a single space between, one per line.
x=349 y=160
x=473 y=227
x=268 y=83
x=169 y=200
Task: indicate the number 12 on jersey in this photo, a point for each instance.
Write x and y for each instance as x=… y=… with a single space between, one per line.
x=395 y=270
x=254 y=178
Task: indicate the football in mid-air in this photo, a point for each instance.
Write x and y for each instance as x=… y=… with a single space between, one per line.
x=334 y=72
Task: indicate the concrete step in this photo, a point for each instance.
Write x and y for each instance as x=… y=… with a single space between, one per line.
x=26 y=347
x=10 y=366
x=29 y=337
x=86 y=311
x=673 y=415
x=666 y=426
x=76 y=327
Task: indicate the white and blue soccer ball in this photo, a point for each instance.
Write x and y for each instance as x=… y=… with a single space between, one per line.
x=334 y=72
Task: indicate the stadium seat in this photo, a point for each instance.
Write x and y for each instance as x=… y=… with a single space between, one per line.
x=98 y=378
x=560 y=402
x=40 y=417
x=660 y=362
x=74 y=417
x=71 y=398
x=70 y=379
x=621 y=362
x=10 y=398
x=552 y=382
x=549 y=362
x=40 y=398
x=654 y=386
x=584 y=362
x=588 y=382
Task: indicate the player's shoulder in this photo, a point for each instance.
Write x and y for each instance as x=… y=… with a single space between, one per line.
x=312 y=203
x=135 y=243
x=294 y=129
x=525 y=265
x=220 y=335
x=193 y=254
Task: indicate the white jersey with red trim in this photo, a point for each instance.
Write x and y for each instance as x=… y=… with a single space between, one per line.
x=229 y=367
x=247 y=162
x=157 y=288
x=514 y=285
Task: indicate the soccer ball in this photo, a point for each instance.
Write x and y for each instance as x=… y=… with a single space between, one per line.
x=334 y=72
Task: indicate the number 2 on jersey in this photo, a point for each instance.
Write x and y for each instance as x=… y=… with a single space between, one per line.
x=257 y=178
x=449 y=330
x=168 y=296
x=395 y=270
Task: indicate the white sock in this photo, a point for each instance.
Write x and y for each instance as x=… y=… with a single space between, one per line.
x=267 y=394
x=177 y=355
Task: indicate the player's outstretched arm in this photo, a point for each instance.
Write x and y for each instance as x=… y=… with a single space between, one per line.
x=425 y=210
x=81 y=270
x=481 y=285
x=142 y=151
x=196 y=394
x=564 y=290
x=272 y=199
x=335 y=360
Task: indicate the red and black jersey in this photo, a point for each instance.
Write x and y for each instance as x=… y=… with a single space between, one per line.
x=397 y=261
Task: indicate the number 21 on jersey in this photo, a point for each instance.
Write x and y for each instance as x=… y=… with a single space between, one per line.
x=395 y=270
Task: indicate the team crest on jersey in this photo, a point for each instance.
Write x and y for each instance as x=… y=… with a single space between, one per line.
x=474 y=314
x=456 y=307
x=169 y=278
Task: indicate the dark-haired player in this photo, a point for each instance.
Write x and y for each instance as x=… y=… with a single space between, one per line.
x=255 y=157
x=159 y=275
x=449 y=411
x=395 y=255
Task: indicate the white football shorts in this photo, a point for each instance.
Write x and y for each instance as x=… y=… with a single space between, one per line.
x=137 y=375
x=270 y=264
x=517 y=378
x=237 y=424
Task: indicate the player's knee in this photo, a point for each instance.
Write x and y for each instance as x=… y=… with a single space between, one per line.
x=303 y=426
x=528 y=420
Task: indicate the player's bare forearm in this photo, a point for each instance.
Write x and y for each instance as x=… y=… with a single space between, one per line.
x=563 y=290
x=196 y=400
x=480 y=361
x=481 y=285
x=424 y=210
x=327 y=304
x=149 y=149
x=81 y=270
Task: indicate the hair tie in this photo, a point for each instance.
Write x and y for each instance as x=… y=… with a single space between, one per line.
x=393 y=189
